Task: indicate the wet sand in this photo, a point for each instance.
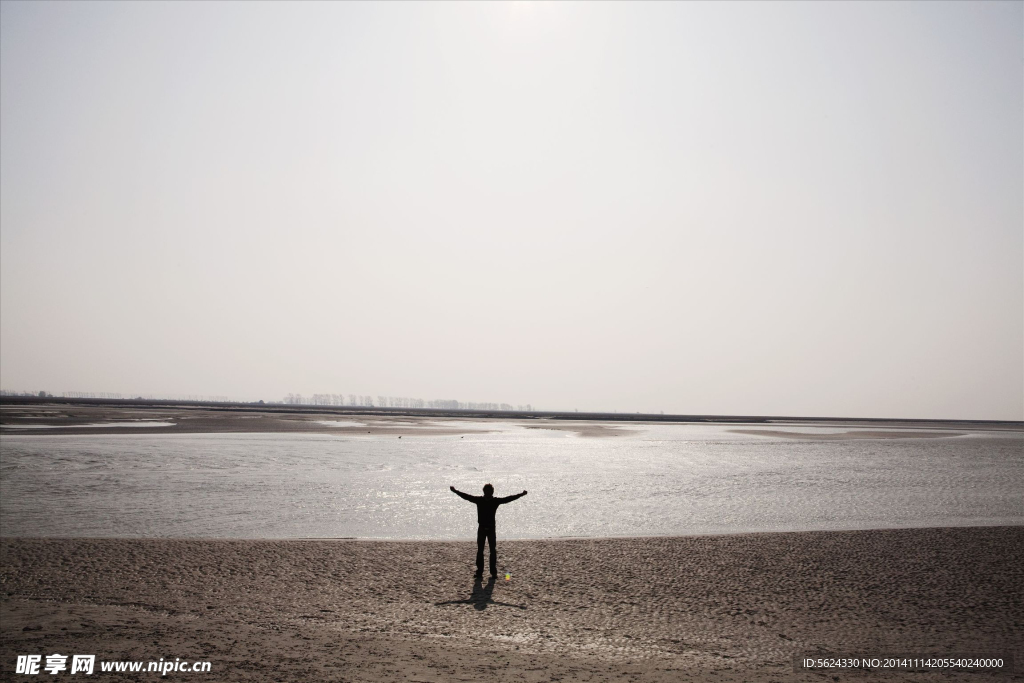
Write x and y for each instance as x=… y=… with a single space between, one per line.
x=848 y=435
x=76 y=420
x=83 y=418
x=712 y=608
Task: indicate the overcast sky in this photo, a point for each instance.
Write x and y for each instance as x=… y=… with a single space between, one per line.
x=764 y=208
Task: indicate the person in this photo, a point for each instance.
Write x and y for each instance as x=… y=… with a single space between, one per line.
x=486 y=506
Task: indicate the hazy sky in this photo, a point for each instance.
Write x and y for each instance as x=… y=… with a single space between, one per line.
x=764 y=208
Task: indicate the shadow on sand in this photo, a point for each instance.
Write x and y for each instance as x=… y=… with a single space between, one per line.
x=481 y=597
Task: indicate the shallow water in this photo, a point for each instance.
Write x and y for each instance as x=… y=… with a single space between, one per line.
x=101 y=425
x=650 y=480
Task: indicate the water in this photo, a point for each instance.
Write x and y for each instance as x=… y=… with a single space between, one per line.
x=651 y=480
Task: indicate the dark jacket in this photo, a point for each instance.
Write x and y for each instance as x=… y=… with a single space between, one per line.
x=486 y=506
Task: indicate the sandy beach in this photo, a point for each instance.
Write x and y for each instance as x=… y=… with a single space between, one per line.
x=711 y=608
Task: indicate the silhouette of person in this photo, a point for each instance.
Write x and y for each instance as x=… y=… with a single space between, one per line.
x=486 y=506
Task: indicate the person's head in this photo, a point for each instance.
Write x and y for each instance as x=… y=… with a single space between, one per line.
x=488 y=490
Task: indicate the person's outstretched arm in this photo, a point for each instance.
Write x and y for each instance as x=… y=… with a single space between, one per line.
x=509 y=499
x=460 y=494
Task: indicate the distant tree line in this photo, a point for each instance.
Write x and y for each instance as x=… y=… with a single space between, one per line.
x=357 y=401
x=352 y=400
x=196 y=398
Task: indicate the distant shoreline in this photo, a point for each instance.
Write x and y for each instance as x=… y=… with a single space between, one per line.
x=289 y=409
x=35 y=417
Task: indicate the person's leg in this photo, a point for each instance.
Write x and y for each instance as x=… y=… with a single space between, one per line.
x=491 y=538
x=481 y=536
